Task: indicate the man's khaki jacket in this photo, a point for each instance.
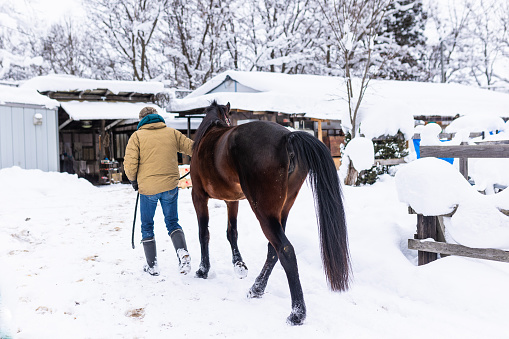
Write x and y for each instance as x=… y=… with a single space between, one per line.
x=151 y=157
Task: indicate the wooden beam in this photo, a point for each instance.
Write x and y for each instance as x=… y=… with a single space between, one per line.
x=389 y=162
x=460 y=250
x=466 y=151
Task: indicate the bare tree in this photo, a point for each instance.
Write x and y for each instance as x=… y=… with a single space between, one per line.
x=130 y=26
x=281 y=35
x=354 y=25
x=18 y=44
x=193 y=39
x=504 y=41
x=485 y=38
x=449 y=55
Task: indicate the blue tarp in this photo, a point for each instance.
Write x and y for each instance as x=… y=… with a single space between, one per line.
x=417 y=143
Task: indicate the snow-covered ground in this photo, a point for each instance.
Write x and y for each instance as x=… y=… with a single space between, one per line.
x=67 y=270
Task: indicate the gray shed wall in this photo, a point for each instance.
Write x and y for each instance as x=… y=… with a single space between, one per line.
x=27 y=145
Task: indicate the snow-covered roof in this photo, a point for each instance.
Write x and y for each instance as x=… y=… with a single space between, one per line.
x=79 y=110
x=181 y=124
x=10 y=94
x=388 y=105
x=72 y=83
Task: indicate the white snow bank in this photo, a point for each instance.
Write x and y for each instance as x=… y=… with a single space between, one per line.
x=434 y=187
x=16 y=180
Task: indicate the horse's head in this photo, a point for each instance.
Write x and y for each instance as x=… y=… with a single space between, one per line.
x=222 y=112
x=215 y=115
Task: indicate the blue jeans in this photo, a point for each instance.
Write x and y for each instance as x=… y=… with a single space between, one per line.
x=148 y=204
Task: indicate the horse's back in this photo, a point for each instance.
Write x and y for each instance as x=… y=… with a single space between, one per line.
x=258 y=136
x=259 y=143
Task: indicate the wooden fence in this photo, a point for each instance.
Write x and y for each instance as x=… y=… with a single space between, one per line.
x=463 y=152
x=432 y=227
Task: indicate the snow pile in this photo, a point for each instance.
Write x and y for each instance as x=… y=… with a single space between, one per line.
x=383 y=117
x=431 y=186
x=360 y=152
x=42 y=185
x=434 y=187
x=486 y=173
x=429 y=134
x=477 y=123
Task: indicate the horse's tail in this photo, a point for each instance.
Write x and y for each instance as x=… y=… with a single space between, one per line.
x=312 y=155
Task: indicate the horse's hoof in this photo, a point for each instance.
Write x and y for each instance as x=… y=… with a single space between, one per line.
x=297 y=316
x=202 y=274
x=254 y=293
x=240 y=269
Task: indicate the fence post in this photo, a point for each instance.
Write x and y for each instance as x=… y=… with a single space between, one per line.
x=464 y=164
x=426 y=228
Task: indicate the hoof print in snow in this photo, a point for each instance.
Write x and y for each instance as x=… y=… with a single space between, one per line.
x=138 y=313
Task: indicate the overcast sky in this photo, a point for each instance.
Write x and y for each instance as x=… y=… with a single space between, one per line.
x=52 y=10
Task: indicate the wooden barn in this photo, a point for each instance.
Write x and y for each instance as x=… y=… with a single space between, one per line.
x=289 y=100
x=96 y=119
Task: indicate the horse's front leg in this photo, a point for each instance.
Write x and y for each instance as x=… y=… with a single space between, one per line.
x=231 y=233
x=200 y=202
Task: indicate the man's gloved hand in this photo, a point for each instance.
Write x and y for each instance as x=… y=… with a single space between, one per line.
x=135 y=184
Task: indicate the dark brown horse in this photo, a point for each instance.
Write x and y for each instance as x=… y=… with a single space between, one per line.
x=267 y=164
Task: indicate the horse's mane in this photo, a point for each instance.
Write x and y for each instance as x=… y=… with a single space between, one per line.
x=210 y=119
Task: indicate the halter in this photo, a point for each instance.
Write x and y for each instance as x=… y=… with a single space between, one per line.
x=228 y=122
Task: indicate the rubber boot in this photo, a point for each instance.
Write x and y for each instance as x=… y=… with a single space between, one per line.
x=179 y=242
x=149 y=245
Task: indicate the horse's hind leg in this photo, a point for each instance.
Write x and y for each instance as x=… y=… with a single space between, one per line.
x=200 y=202
x=231 y=233
x=260 y=283
x=273 y=230
x=258 y=288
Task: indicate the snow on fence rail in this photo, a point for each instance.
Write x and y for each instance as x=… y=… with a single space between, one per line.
x=432 y=226
x=463 y=152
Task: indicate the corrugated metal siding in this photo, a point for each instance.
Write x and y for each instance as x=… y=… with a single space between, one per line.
x=27 y=145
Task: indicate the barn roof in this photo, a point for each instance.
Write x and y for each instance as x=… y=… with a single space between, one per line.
x=67 y=87
x=24 y=96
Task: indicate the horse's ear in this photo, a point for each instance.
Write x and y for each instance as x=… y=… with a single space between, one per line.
x=228 y=107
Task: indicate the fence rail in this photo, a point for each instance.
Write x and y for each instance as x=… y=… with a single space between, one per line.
x=466 y=151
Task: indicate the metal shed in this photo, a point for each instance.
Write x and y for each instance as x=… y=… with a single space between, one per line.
x=28 y=130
